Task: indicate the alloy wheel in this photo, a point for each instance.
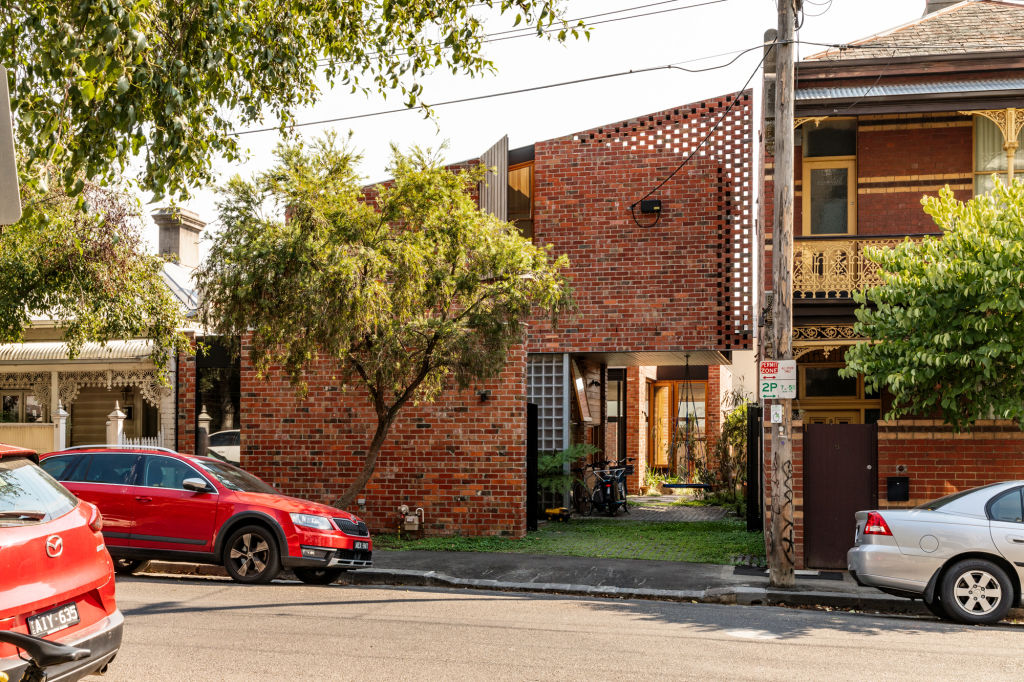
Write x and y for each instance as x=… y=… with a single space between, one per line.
x=251 y=554
x=977 y=592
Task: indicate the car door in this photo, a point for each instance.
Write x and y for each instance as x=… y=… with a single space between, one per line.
x=167 y=516
x=1006 y=524
x=105 y=478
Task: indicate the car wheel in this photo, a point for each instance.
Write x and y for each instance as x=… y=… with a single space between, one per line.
x=318 y=576
x=251 y=556
x=129 y=566
x=935 y=606
x=976 y=591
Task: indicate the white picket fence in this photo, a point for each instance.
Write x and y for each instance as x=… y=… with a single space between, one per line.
x=156 y=441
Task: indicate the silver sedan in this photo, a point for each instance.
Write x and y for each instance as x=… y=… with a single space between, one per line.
x=962 y=554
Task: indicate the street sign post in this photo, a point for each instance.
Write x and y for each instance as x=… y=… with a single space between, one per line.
x=778 y=379
x=10 y=196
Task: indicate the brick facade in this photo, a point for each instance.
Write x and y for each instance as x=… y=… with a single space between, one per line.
x=676 y=285
x=462 y=459
x=939 y=462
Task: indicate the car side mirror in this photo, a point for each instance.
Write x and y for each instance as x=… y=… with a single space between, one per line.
x=196 y=485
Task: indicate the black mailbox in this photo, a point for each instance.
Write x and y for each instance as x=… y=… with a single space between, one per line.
x=897 y=488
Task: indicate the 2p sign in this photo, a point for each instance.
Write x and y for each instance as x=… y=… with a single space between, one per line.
x=778 y=379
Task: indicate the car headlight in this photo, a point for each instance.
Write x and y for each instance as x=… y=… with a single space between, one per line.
x=310 y=521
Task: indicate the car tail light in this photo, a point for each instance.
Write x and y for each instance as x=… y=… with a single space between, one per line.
x=876 y=525
x=95 y=519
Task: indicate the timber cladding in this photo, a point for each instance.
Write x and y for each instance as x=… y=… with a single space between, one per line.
x=462 y=459
x=682 y=283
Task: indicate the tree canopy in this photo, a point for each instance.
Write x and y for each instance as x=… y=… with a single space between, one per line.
x=406 y=288
x=947 y=324
x=79 y=261
x=96 y=83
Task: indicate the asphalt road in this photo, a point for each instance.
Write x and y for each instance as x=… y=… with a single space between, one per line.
x=209 y=629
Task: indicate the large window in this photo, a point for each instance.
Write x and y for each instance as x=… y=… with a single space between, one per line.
x=989 y=155
x=830 y=177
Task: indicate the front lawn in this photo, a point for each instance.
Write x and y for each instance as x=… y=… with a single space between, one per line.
x=711 y=542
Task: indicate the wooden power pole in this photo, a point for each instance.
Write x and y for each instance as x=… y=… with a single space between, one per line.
x=781 y=550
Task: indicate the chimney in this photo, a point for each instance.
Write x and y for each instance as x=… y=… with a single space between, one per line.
x=179 y=234
x=931 y=6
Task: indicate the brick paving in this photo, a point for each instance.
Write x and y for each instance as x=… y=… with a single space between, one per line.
x=661 y=510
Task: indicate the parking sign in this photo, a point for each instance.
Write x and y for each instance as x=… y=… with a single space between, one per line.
x=778 y=379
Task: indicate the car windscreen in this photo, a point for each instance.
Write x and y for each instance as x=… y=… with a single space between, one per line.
x=941 y=502
x=234 y=478
x=30 y=495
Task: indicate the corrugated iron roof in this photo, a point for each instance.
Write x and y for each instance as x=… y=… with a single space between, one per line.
x=34 y=352
x=950 y=87
x=179 y=280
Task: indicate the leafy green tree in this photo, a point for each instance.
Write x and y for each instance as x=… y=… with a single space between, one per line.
x=79 y=261
x=94 y=83
x=405 y=289
x=947 y=324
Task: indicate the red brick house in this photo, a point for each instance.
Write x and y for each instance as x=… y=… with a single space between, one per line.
x=936 y=102
x=663 y=306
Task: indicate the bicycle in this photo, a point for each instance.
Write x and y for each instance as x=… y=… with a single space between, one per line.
x=579 y=497
x=42 y=654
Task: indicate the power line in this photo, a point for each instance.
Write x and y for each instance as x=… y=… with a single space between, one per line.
x=718 y=123
x=529 y=31
x=461 y=100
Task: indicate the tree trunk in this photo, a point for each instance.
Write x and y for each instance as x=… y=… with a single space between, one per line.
x=369 y=463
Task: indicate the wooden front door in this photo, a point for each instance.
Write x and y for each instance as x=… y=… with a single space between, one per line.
x=840 y=479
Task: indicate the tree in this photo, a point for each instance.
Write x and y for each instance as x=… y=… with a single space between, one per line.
x=406 y=292
x=79 y=260
x=95 y=84
x=947 y=324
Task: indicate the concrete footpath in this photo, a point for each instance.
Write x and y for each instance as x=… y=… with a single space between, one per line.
x=619 y=578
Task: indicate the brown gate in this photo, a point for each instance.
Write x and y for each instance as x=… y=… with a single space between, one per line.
x=840 y=463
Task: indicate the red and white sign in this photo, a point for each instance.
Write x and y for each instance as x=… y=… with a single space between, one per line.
x=778 y=379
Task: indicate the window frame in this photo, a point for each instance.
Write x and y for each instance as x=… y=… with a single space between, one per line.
x=824 y=163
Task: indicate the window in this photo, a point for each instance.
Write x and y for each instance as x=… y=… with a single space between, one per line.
x=821 y=382
x=108 y=467
x=166 y=472
x=989 y=155
x=830 y=177
x=19 y=406
x=25 y=487
x=520 y=197
x=59 y=467
x=1006 y=507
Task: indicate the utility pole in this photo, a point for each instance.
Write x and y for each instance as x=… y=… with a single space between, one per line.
x=781 y=550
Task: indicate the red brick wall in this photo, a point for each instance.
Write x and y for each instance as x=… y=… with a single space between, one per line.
x=187 y=409
x=462 y=460
x=637 y=422
x=940 y=462
x=670 y=286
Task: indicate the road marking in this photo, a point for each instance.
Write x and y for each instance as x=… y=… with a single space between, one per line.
x=752 y=634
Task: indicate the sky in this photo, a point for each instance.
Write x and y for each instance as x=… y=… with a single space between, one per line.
x=686 y=35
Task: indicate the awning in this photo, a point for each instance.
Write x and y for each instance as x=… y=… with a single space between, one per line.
x=912 y=89
x=56 y=352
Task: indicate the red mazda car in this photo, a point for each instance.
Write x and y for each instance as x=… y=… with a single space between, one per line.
x=161 y=504
x=56 y=577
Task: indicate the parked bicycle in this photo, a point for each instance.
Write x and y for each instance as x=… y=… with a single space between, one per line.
x=42 y=654
x=580 y=500
x=609 y=494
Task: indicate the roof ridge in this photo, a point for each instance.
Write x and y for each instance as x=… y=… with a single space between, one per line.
x=911 y=24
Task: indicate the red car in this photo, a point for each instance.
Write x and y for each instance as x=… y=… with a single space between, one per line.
x=56 y=577
x=160 y=504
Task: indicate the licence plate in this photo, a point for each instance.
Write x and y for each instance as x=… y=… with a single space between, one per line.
x=53 y=620
x=359 y=544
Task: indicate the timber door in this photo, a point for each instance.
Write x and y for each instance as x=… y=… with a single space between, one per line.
x=840 y=462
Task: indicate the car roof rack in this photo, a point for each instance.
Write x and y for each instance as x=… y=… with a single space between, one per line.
x=103 y=446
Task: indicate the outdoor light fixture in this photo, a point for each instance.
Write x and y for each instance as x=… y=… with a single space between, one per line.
x=484 y=394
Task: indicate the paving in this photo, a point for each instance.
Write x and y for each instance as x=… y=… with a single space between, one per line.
x=665 y=512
